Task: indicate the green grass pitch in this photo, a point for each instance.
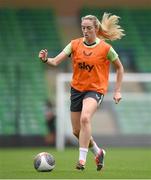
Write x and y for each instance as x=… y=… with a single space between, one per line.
x=120 y=163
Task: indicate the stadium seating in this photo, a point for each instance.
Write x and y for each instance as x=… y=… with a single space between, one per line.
x=23 y=33
x=133 y=117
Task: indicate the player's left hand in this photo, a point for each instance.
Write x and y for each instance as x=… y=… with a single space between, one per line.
x=117 y=97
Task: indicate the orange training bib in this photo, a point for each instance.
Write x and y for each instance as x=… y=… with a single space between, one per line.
x=90 y=66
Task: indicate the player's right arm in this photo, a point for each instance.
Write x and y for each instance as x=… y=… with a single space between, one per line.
x=43 y=55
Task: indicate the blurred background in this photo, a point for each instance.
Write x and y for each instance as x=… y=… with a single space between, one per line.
x=34 y=98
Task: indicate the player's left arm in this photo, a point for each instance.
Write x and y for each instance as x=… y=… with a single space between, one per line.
x=113 y=57
x=119 y=77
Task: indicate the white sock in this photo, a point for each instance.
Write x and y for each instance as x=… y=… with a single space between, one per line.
x=95 y=149
x=83 y=154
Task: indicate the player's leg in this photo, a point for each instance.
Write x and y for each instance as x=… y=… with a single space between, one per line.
x=76 y=126
x=76 y=108
x=75 y=121
x=99 y=153
x=94 y=147
x=88 y=109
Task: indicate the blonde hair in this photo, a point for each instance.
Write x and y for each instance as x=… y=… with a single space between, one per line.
x=108 y=28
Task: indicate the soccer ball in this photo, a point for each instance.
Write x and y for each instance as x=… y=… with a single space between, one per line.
x=44 y=162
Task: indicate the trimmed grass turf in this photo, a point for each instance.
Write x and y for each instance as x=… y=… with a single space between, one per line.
x=120 y=163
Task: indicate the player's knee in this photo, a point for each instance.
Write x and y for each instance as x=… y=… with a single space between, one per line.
x=84 y=120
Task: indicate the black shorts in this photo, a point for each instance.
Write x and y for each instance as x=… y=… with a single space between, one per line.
x=77 y=98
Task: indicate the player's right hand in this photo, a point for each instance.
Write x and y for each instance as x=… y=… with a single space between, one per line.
x=43 y=54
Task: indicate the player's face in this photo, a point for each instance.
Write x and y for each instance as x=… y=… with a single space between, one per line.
x=89 y=30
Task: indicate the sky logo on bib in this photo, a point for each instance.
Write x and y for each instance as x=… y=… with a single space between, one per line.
x=85 y=66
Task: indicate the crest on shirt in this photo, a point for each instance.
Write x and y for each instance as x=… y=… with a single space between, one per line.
x=87 y=53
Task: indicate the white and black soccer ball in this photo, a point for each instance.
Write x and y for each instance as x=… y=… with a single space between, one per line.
x=44 y=162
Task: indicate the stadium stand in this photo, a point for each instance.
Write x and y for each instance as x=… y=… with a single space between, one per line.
x=23 y=33
x=133 y=117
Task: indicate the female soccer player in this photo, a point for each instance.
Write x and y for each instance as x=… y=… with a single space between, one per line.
x=91 y=57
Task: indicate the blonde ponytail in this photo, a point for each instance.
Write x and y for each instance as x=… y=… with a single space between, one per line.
x=108 y=28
